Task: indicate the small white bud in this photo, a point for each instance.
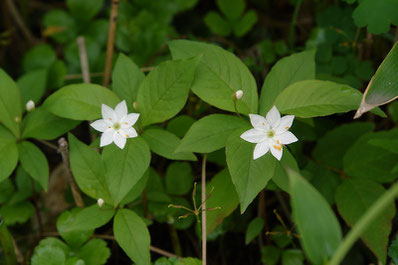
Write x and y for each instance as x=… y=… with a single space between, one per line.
x=135 y=105
x=238 y=94
x=30 y=105
x=17 y=119
x=100 y=202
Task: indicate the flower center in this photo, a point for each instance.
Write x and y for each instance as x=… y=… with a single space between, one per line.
x=270 y=133
x=116 y=126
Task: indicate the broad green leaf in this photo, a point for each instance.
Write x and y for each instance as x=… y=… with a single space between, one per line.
x=164 y=91
x=60 y=26
x=125 y=167
x=180 y=125
x=245 y=23
x=48 y=255
x=126 y=79
x=254 y=229
x=270 y=255
x=8 y=153
x=165 y=143
x=218 y=76
x=74 y=238
x=34 y=162
x=80 y=101
x=366 y=161
x=54 y=242
x=137 y=189
x=17 y=213
x=287 y=71
x=388 y=144
x=354 y=197
x=88 y=170
x=223 y=188
x=132 y=235
x=56 y=75
x=40 y=56
x=249 y=176
x=210 y=133
x=393 y=251
x=189 y=261
x=376 y=15
x=330 y=149
x=94 y=252
x=32 y=86
x=318 y=227
x=74 y=261
x=217 y=24
x=84 y=10
x=179 y=178
x=313 y=98
x=41 y=124
x=383 y=86
x=280 y=176
x=6 y=190
x=292 y=257
x=232 y=9
x=10 y=103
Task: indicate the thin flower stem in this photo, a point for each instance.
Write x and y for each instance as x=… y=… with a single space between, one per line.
x=293 y=23
x=111 y=41
x=236 y=109
x=63 y=149
x=81 y=44
x=204 y=230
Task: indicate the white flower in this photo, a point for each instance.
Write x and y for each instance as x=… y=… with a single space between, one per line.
x=30 y=105
x=116 y=125
x=238 y=94
x=270 y=133
x=100 y=202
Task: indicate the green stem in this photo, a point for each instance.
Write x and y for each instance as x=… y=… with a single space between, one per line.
x=8 y=246
x=293 y=23
x=370 y=215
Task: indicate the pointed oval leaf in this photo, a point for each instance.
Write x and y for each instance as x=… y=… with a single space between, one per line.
x=8 y=153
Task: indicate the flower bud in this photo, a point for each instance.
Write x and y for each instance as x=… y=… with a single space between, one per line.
x=100 y=202
x=17 y=119
x=30 y=105
x=238 y=95
x=135 y=105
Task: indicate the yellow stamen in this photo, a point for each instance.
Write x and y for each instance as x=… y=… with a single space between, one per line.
x=279 y=147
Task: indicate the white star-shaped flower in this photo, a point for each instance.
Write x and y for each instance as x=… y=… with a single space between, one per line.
x=116 y=125
x=270 y=133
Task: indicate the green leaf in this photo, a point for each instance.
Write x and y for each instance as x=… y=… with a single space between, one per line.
x=164 y=91
x=287 y=71
x=280 y=176
x=132 y=235
x=366 y=161
x=74 y=261
x=17 y=213
x=218 y=76
x=376 y=15
x=180 y=125
x=125 y=167
x=8 y=153
x=382 y=88
x=292 y=257
x=313 y=98
x=56 y=74
x=10 y=103
x=60 y=26
x=48 y=255
x=319 y=229
x=245 y=23
x=95 y=252
x=210 y=133
x=6 y=190
x=393 y=251
x=84 y=10
x=270 y=255
x=223 y=188
x=88 y=170
x=74 y=238
x=189 y=261
x=137 y=189
x=80 y=101
x=34 y=162
x=179 y=178
x=217 y=24
x=164 y=143
x=249 y=176
x=126 y=79
x=40 y=56
x=388 y=144
x=331 y=148
x=354 y=197
x=232 y=9
x=41 y=124
x=32 y=86
x=254 y=229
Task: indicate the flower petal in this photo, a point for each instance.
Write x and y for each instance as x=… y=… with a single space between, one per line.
x=285 y=124
x=276 y=149
x=260 y=149
x=108 y=113
x=254 y=136
x=106 y=138
x=100 y=125
x=128 y=132
x=130 y=120
x=259 y=122
x=119 y=139
x=121 y=110
x=287 y=138
x=273 y=117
